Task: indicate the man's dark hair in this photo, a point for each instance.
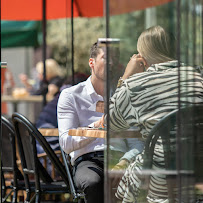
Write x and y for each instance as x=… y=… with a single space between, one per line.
x=94 y=51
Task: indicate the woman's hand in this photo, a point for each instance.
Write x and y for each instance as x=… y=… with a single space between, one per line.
x=137 y=64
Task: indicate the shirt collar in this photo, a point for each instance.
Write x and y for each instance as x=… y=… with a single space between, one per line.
x=91 y=91
x=89 y=86
x=164 y=66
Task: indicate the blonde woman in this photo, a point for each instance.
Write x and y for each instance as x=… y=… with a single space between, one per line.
x=53 y=76
x=147 y=92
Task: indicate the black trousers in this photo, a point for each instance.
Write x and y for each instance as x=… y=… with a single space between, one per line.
x=89 y=176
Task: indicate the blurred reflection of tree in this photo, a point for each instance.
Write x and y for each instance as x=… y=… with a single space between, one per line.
x=86 y=32
x=127 y=27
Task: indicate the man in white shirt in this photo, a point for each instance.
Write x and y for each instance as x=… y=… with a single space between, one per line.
x=77 y=108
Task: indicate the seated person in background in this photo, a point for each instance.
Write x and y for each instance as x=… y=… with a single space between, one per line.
x=148 y=91
x=7 y=85
x=77 y=108
x=54 y=77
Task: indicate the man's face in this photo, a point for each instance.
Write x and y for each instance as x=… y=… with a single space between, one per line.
x=98 y=65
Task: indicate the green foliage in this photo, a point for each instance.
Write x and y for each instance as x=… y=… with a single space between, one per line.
x=127 y=27
x=86 y=32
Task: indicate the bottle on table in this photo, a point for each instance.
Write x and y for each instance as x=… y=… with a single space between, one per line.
x=8 y=84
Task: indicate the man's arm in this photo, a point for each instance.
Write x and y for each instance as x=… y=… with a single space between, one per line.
x=68 y=118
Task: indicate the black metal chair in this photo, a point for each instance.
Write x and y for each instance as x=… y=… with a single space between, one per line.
x=10 y=172
x=182 y=137
x=27 y=135
x=78 y=195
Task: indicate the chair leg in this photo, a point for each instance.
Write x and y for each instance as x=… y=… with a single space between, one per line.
x=15 y=195
x=33 y=199
x=38 y=196
x=28 y=195
x=81 y=201
x=3 y=190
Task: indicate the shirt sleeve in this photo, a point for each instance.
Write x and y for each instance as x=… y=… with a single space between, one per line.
x=68 y=119
x=135 y=147
x=122 y=113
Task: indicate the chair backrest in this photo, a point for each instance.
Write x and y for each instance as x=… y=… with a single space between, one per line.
x=8 y=156
x=181 y=132
x=8 y=146
x=27 y=135
x=77 y=194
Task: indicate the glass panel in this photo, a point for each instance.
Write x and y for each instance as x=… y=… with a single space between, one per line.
x=154 y=136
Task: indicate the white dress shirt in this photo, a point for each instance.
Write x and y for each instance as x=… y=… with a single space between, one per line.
x=77 y=108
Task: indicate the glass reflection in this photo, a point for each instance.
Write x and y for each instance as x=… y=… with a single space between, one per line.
x=158 y=165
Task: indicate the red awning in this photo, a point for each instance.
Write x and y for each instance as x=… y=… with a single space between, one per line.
x=32 y=9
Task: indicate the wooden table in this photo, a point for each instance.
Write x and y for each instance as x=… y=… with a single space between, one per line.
x=91 y=132
x=27 y=99
x=53 y=132
x=99 y=133
x=87 y=132
x=73 y=132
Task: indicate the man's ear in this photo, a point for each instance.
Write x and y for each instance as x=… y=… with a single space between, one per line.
x=91 y=63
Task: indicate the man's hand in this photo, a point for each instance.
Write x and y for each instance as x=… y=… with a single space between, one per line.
x=137 y=64
x=100 y=107
x=99 y=123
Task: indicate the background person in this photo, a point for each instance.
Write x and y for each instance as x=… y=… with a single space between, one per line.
x=7 y=85
x=54 y=77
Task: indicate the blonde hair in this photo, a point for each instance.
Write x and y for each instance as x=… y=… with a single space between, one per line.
x=156 y=45
x=52 y=68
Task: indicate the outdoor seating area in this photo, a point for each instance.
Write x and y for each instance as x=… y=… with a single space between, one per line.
x=24 y=178
x=101 y=101
x=35 y=180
